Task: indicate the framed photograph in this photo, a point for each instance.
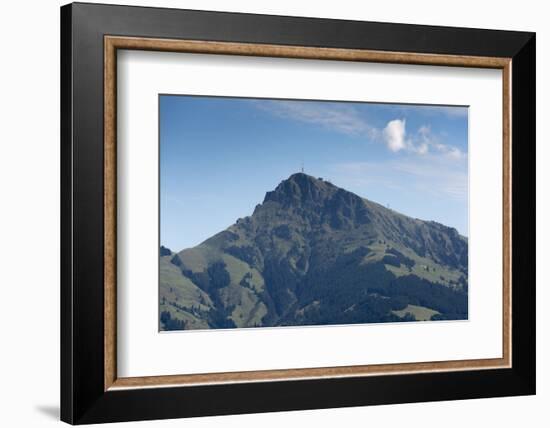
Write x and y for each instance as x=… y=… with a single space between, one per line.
x=267 y=213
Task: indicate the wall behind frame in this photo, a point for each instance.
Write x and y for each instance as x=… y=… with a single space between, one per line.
x=29 y=220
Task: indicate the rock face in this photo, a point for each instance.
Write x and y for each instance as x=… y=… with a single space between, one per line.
x=313 y=253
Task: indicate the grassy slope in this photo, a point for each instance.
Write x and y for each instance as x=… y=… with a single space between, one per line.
x=248 y=309
x=419 y=312
x=424 y=267
x=178 y=295
x=193 y=322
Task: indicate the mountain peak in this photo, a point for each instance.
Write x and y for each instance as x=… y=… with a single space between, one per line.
x=301 y=178
x=301 y=188
x=312 y=254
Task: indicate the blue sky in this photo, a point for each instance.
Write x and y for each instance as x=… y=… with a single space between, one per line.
x=219 y=156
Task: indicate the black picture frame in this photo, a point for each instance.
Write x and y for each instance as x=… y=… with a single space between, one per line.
x=83 y=398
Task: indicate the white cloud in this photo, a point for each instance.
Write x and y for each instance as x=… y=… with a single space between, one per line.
x=345 y=119
x=394 y=135
x=455 y=153
x=425 y=131
x=432 y=174
x=422 y=149
x=428 y=139
x=340 y=118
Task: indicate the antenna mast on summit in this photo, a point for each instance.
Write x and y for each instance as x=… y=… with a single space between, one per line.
x=302 y=166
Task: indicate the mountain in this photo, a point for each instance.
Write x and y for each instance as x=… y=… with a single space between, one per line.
x=313 y=253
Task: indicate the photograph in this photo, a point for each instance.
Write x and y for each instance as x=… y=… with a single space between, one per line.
x=290 y=212
x=279 y=210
